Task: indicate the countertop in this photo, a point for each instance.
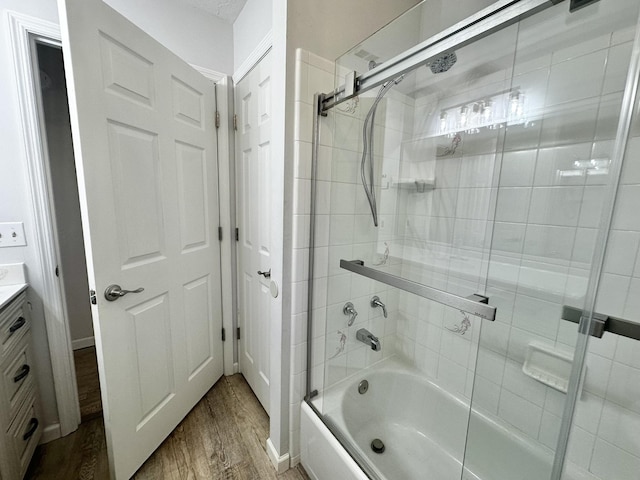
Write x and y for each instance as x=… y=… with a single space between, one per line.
x=9 y=292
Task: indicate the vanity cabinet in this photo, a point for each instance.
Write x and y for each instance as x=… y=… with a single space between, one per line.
x=20 y=427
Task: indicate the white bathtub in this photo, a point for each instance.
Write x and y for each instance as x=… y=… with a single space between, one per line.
x=424 y=429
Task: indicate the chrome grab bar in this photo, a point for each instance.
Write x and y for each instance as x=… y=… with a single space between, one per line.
x=474 y=304
x=603 y=323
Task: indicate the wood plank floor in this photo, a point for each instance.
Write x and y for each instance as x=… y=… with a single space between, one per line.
x=88 y=383
x=223 y=437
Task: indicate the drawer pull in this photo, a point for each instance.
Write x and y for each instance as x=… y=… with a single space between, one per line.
x=33 y=426
x=17 y=325
x=23 y=372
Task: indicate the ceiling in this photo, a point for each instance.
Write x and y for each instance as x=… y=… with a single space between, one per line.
x=227 y=10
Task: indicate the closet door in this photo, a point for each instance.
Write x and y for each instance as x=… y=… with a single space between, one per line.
x=145 y=149
x=253 y=108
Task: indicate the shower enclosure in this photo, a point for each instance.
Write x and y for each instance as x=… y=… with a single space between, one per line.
x=474 y=297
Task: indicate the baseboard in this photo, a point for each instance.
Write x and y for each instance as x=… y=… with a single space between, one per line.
x=236 y=367
x=280 y=463
x=50 y=433
x=83 y=343
x=294 y=461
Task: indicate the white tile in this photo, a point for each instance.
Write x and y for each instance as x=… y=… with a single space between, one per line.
x=301 y=196
x=517 y=382
x=339 y=289
x=452 y=375
x=608 y=115
x=549 y=243
x=581 y=48
x=320 y=81
x=612 y=293
x=303 y=122
x=566 y=79
x=580 y=447
x=513 y=204
x=624 y=387
x=622 y=248
x=617 y=67
x=537 y=316
x=341 y=229
x=473 y=203
x=549 y=430
x=621 y=427
x=343 y=198
x=592 y=204
x=574 y=124
x=476 y=171
x=628 y=352
x=597 y=376
x=631 y=163
x=301 y=79
x=555 y=205
x=508 y=237
x=613 y=463
x=555 y=163
x=520 y=413
x=302 y=160
x=626 y=216
x=486 y=395
x=518 y=168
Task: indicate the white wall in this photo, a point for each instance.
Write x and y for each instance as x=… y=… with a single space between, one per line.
x=198 y=37
x=251 y=26
x=194 y=35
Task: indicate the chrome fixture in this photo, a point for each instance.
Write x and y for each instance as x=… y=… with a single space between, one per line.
x=474 y=304
x=375 y=302
x=350 y=310
x=365 y=336
x=363 y=387
x=367 y=148
x=114 y=292
x=443 y=63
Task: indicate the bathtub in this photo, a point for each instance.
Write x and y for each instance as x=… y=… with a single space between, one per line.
x=423 y=429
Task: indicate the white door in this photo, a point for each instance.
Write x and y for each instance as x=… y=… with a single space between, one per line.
x=253 y=108
x=144 y=139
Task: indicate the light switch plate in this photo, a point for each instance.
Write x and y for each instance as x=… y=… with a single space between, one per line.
x=12 y=235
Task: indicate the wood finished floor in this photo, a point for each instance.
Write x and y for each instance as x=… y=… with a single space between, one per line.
x=88 y=383
x=223 y=437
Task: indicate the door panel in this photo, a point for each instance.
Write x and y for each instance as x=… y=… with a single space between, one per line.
x=144 y=141
x=253 y=100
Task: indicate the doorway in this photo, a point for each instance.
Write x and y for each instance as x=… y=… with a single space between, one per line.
x=57 y=147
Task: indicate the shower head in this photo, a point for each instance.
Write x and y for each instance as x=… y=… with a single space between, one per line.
x=443 y=63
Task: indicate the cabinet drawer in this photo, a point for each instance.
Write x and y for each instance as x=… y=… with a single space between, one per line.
x=14 y=322
x=25 y=432
x=16 y=377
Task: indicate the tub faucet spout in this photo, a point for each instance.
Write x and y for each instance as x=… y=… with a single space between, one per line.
x=368 y=338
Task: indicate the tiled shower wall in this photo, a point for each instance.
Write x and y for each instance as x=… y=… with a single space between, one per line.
x=543 y=227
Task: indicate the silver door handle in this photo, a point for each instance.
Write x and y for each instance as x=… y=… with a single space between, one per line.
x=114 y=292
x=265 y=274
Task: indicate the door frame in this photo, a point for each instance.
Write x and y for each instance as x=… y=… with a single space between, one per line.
x=22 y=30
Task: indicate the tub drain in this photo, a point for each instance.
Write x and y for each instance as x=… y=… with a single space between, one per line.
x=377 y=445
x=363 y=387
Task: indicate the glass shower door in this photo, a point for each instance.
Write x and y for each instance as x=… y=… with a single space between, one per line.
x=555 y=174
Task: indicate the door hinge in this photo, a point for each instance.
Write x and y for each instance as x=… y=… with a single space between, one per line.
x=217 y=119
x=235 y=122
x=223 y=335
x=237 y=234
x=238 y=333
x=57 y=271
x=220 y=233
x=92 y=297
